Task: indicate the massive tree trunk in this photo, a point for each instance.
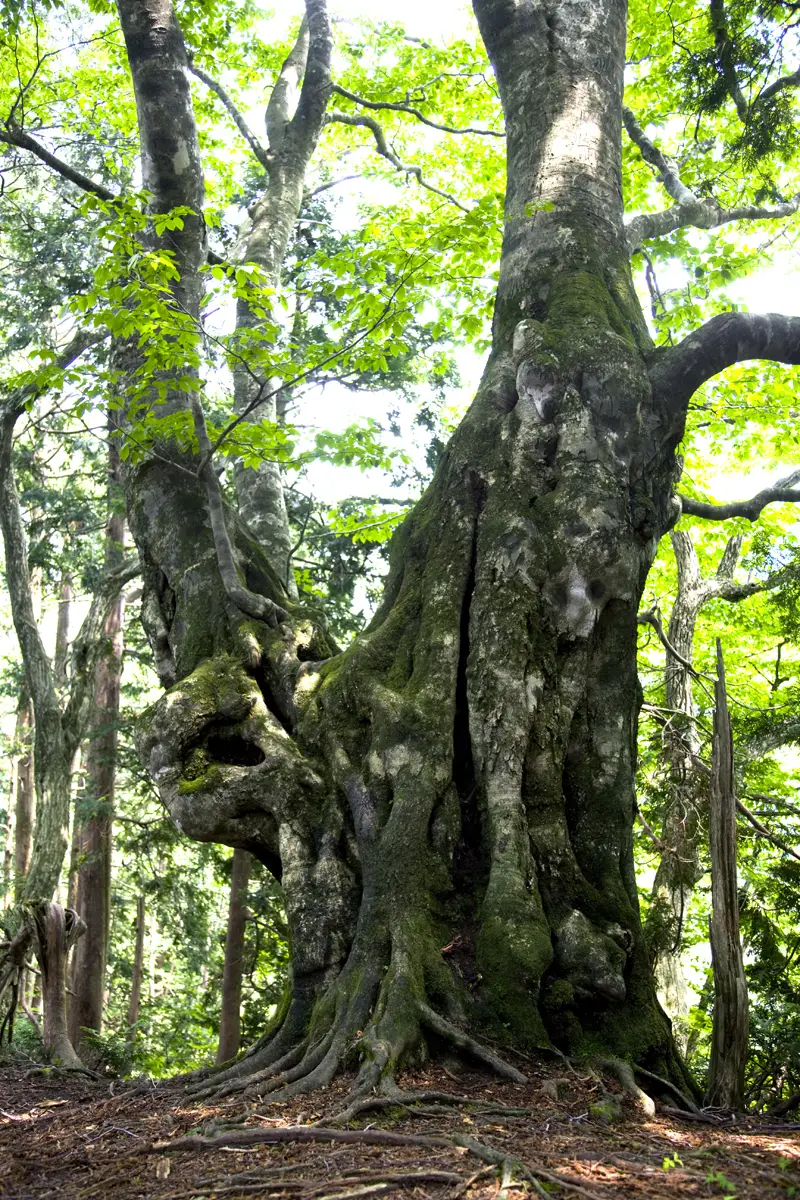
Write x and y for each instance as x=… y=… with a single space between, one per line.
x=449 y=803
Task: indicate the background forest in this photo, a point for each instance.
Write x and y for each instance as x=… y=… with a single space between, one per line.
x=375 y=338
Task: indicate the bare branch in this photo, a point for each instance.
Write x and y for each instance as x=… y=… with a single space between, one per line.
x=767 y=833
x=244 y=129
x=12 y=135
x=382 y=146
x=651 y=617
x=677 y=372
x=666 y=167
x=391 y=106
x=783 y=492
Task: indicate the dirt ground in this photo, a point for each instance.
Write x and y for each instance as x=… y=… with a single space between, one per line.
x=73 y=1137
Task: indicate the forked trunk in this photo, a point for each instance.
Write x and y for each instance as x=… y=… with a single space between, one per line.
x=449 y=803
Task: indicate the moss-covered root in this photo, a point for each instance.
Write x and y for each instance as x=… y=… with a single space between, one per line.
x=378 y=1017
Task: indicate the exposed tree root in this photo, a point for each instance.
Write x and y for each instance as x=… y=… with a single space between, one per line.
x=373 y=1137
x=623 y=1072
x=396 y=1097
x=682 y=1097
x=344 y=1024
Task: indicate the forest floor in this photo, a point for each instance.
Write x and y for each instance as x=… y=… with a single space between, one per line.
x=74 y=1138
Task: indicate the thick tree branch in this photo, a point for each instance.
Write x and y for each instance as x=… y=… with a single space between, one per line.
x=677 y=373
x=783 y=492
x=283 y=100
x=237 y=118
x=701 y=214
x=392 y=106
x=12 y=135
x=305 y=126
x=382 y=146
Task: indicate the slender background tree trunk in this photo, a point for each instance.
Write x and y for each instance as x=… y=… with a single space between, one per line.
x=137 y=973
x=230 y=1015
x=94 y=875
x=729 y=1036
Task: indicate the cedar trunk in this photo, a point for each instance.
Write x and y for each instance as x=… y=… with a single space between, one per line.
x=449 y=803
x=230 y=1021
x=729 y=1035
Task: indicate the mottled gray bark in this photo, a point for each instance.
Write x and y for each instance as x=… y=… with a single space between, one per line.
x=729 y=1036
x=56 y=930
x=60 y=658
x=230 y=1021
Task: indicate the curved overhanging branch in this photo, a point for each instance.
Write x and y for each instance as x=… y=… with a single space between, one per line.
x=689 y=208
x=383 y=148
x=676 y=373
x=394 y=106
x=782 y=492
x=668 y=173
x=12 y=135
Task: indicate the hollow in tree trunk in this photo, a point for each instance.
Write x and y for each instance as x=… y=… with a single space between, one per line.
x=230 y=1022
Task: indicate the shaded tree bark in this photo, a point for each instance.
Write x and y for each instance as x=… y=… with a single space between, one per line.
x=729 y=1034
x=230 y=1016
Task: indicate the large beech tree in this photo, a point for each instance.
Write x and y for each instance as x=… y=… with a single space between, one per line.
x=449 y=802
